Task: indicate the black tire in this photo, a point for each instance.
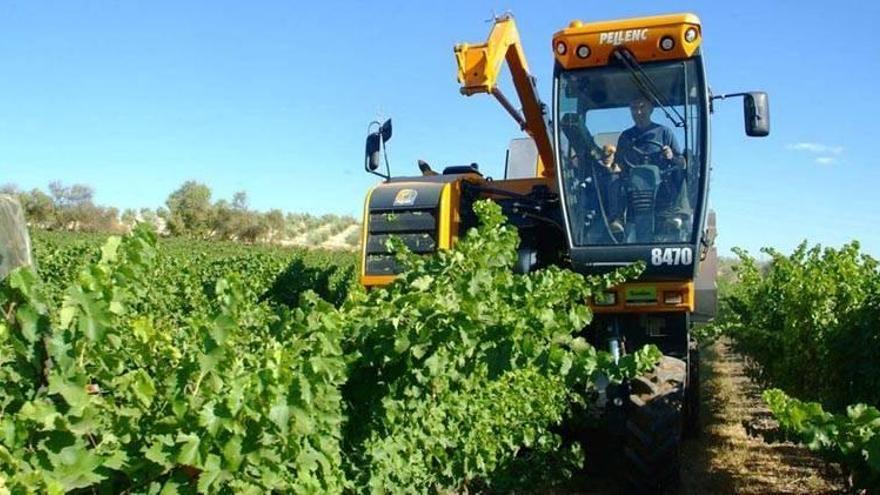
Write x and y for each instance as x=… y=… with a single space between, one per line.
x=651 y=452
x=692 y=425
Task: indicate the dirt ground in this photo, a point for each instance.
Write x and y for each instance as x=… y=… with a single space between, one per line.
x=727 y=458
x=730 y=456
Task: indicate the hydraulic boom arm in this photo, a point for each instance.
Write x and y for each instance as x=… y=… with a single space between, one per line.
x=479 y=67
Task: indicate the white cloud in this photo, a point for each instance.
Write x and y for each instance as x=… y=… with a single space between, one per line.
x=824 y=154
x=816 y=148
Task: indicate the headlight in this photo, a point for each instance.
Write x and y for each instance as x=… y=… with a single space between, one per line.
x=673 y=297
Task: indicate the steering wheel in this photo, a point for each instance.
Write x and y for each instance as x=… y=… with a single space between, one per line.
x=641 y=150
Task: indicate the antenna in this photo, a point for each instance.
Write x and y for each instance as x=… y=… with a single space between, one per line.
x=495 y=17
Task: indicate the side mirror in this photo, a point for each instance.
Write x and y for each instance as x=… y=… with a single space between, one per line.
x=372 y=152
x=375 y=146
x=756 y=110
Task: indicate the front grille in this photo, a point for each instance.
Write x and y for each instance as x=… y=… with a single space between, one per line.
x=381 y=264
x=417 y=229
x=419 y=242
x=403 y=221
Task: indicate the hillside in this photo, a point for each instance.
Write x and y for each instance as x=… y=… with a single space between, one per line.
x=189 y=212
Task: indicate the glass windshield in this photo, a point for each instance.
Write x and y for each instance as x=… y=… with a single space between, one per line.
x=630 y=146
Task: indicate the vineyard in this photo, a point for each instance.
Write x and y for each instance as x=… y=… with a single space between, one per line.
x=141 y=366
x=809 y=324
x=224 y=271
x=187 y=269
x=174 y=365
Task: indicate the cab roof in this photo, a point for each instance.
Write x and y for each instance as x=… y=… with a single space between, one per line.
x=652 y=38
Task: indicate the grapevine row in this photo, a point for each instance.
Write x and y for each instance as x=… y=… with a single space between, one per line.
x=810 y=321
x=140 y=376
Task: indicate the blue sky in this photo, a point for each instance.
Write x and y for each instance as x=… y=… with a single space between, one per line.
x=135 y=97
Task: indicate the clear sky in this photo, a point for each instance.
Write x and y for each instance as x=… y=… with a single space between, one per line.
x=135 y=97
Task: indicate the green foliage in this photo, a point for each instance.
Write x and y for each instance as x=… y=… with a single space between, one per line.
x=190 y=210
x=811 y=322
x=163 y=368
x=67 y=208
x=329 y=274
x=190 y=213
x=353 y=238
x=708 y=333
x=187 y=269
x=240 y=397
x=852 y=439
x=461 y=364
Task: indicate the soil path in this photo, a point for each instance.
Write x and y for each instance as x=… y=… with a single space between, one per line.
x=726 y=458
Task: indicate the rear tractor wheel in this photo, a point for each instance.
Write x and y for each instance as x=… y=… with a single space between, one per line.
x=652 y=441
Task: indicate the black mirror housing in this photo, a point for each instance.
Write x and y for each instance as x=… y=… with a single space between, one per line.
x=756 y=110
x=386 y=130
x=375 y=145
x=371 y=154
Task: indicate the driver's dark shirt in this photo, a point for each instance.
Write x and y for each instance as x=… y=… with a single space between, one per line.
x=641 y=137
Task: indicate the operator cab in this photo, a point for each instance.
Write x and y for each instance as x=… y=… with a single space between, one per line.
x=639 y=195
x=631 y=128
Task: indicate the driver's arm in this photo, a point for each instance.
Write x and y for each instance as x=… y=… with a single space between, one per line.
x=671 y=146
x=624 y=147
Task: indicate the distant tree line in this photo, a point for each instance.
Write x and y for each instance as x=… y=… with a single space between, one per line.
x=189 y=211
x=65 y=208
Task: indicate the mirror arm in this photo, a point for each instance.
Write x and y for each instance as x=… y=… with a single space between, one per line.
x=380 y=174
x=387 y=166
x=728 y=95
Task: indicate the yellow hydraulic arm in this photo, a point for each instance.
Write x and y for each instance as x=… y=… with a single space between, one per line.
x=479 y=67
